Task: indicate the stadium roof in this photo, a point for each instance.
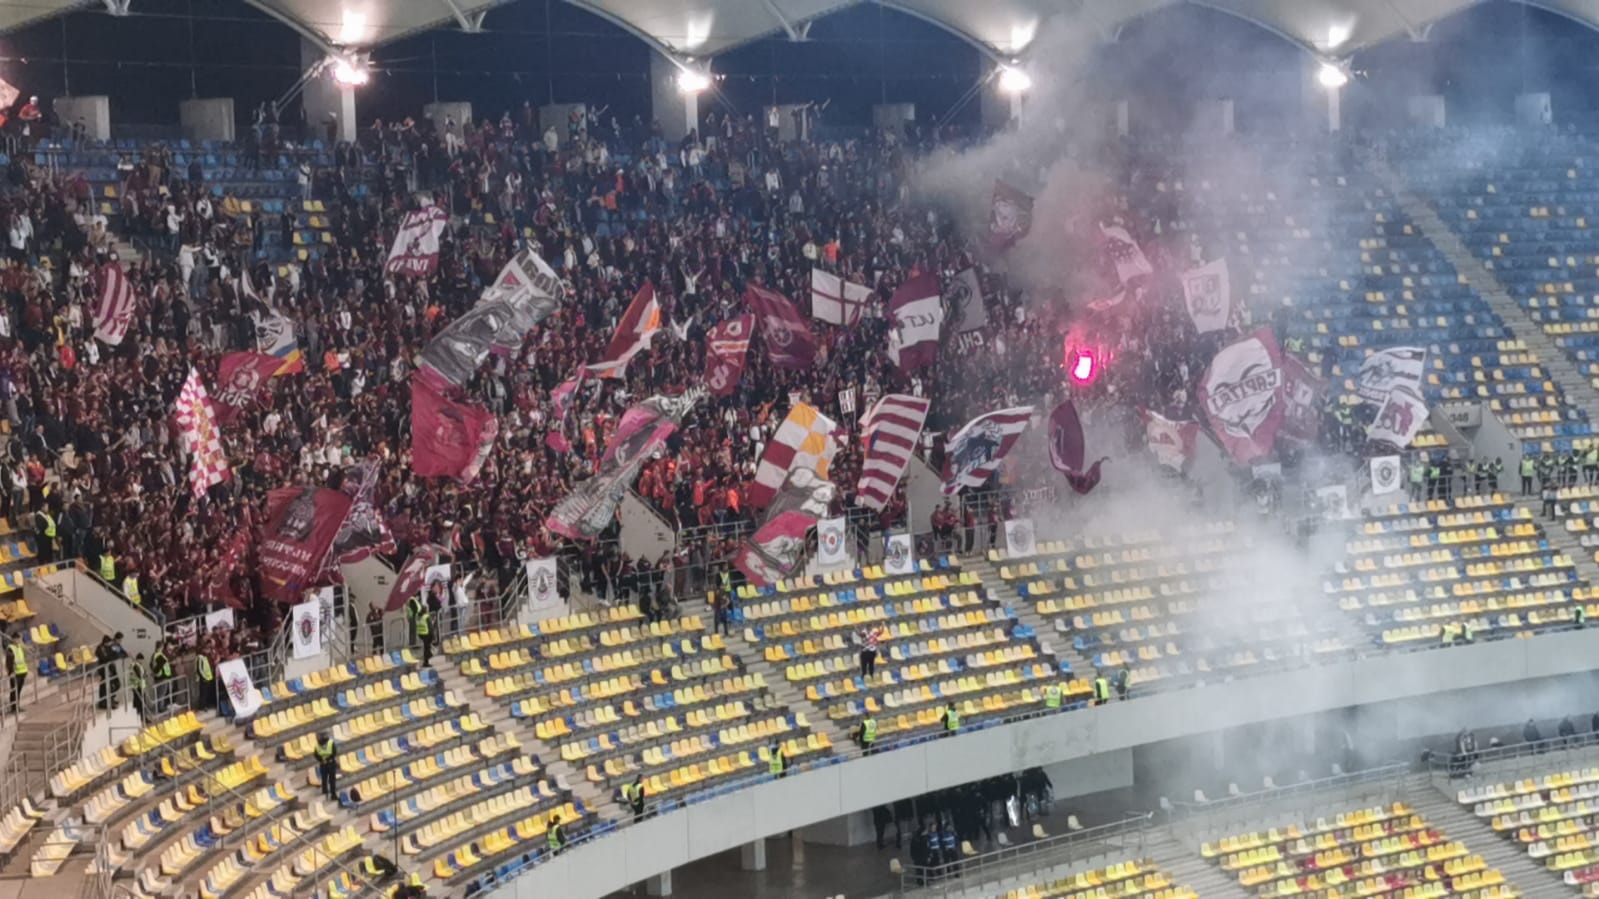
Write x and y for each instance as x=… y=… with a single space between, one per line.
x=1001 y=28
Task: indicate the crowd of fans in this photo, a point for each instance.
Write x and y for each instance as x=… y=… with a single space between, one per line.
x=609 y=206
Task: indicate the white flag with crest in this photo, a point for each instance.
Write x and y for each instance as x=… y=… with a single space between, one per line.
x=306 y=622
x=1020 y=539
x=830 y=542
x=1385 y=475
x=242 y=694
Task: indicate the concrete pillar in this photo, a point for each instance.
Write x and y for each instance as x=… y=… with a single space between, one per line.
x=1534 y=110
x=659 y=885
x=799 y=849
x=436 y=113
x=325 y=101
x=95 y=112
x=1426 y=111
x=678 y=112
x=207 y=119
x=752 y=856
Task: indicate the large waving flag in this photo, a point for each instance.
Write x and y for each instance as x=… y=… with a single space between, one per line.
x=789 y=341
x=803 y=440
x=890 y=429
x=448 y=439
x=836 y=301
x=1242 y=395
x=1010 y=216
x=916 y=312
x=1172 y=443
x=415 y=252
x=1124 y=253
x=1207 y=292
x=589 y=509
x=727 y=347
x=113 y=307
x=1388 y=369
x=202 y=439
x=240 y=377
x=976 y=451
x=274 y=336
x=638 y=327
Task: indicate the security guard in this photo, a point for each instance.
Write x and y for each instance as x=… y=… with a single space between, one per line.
x=1122 y=681
x=44 y=529
x=952 y=720
x=777 y=761
x=18 y=665
x=868 y=735
x=1467 y=635
x=327 y=765
x=1052 y=696
x=130 y=588
x=1579 y=615
x=108 y=566
x=138 y=682
x=634 y=794
x=414 y=607
x=161 y=676
x=1450 y=633
x=1435 y=480
x=424 y=632
x=207 y=682
x=1101 y=690
x=1418 y=476
x=555 y=837
x=1590 y=464
x=1496 y=467
x=1528 y=469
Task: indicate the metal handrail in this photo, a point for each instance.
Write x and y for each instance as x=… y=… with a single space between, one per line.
x=1036 y=855
x=1391 y=776
x=1539 y=750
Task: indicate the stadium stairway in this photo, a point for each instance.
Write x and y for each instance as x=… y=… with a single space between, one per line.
x=498 y=717
x=1186 y=866
x=1443 y=812
x=786 y=693
x=1563 y=540
x=1551 y=358
x=1027 y=613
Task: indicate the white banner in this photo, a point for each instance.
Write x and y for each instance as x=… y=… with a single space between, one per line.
x=1334 y=502
x=242 y=694
x=1385 y=370
x=543 y=590
x=898 y=556
x=846 y=401
x=1019 y=538
x=306 y=629
x=1401 y=418
x=219 y=618
x=437 y=574
x=1208 y=292
x=830 y=542
x=1385 y=475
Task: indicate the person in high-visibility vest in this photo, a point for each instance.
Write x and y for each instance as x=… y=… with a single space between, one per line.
x=1528 y=469
x=1101 y=690
x=207 y=682
x=555 y=837
x=776 y=761
x=951 y=719
x=1122 y=680
x=44 y=529
x=108 y=566
x=17 y=664
x=424 y=632
x=138 y=682
x=130 y=588
x=1579 y=616
x=634 y=794
x=327 y=765
x=1052 y=697
x=414 y=607
x=868 y=734
x=1449 y=633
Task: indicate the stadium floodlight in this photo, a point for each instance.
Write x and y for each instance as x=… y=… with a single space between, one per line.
x=693 y=81
x=350 y=72
x=1332 y=76
x=1013 y=80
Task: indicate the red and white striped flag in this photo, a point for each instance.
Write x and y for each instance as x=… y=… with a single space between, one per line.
x=973 y=455
x=890 y=430
x=638 y=327
x=113 y=308
x=208 y=464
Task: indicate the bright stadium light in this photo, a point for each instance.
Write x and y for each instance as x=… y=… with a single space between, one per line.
x=1332 y=76
x=350 y=72
x=1014 y=81
x=693 y=81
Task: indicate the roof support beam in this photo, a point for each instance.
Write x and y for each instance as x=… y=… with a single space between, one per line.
x=118 y=7
x=471 y=23
x=794 y=34
x=662 y=47
x=314 y=37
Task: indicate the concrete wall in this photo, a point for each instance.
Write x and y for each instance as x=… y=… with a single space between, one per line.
x=436 y=113
x=645 y=534
x=95 y=112
x=1429 y=691
x=207 y=119
x=84 y=610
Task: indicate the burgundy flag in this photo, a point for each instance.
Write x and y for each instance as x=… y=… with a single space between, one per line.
x=240 y=377
x=301 y=523
x=776 y=549
x=634 y=332
x=890 y=429
x=413 y=574
x=1010 y=217
x=1172 y=443
x=1066 y=439
x=975 y=452
x=1302 y=396
x=916 y=311
x=726 y=349
x=1084 y=482
x=560 y=405
x=448 y=439
x=113 y=307
x=590 y=508
x=364 y=531
x=789 y=342
x=1241 y=394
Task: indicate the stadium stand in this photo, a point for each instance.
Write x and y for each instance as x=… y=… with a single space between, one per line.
x=1138 y=879
x=1549 y=817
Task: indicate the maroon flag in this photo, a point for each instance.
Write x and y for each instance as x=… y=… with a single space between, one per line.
x=364 y=531
x=638 y=327
x=789 y=342
x=776 y=549
x=113 y=307
x=916 y=311
x=1242 y=396
x=1084 y=482
x=413 y=574
x=1010 y=217
x=448 y=439
x=301 y=523
x=726 y=349
x=240 y=377
x=890 y=430
x=1172 y=443
x=1066 y=439
x=560 y=405
x=975 y=452
x=1302 y=395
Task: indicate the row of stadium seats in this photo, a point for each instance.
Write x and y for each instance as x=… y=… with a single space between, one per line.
x=1551 y=817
